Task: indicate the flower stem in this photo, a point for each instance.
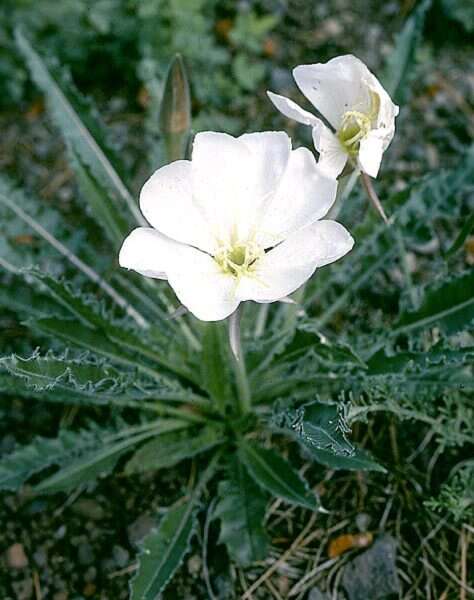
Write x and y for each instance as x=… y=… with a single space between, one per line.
x=238 y=363
x=261 y=320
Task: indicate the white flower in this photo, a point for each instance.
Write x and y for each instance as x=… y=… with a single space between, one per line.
x=354 y=103
x=240 y=221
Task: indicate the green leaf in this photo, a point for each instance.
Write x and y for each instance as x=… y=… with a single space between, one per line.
x=101 y=204
x=100 y=460
x=17 y=467
x=64 y=109
x=118 y=345
x=438 y=356
x=175 y=110
x=10 y=201
x=170 y=449
x=215 y=361
x=274 y=474
x=403 y=58
x=241 y=510
x=20 y=247
x=318 y=425
x=448 y=304
x=359 y=460
x=21 y=298
x=416 y=207
x=162 y=552
x=83 y=381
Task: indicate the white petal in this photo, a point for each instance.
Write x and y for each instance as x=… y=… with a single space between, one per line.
x=370 y=153
x=222 y=188
x=335 y=87
x=305 y=195
x=270 y=154
x=285 y=268
x=203 y=288
x=166 y=201
x=147 y=252
x=332 y=156
x=194 y=276
x=291 y=110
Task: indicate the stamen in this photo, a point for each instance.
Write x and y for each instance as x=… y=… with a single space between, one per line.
x=239 y=258
x=356 y=125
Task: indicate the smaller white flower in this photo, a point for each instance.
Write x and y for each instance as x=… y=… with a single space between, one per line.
x=354 y=103
x=240 y=221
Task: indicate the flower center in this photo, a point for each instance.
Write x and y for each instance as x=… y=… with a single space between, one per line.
x=355 y=125
x=239 y=258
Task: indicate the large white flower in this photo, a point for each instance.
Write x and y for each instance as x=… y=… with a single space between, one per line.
x=240 y=221
x=354 y=103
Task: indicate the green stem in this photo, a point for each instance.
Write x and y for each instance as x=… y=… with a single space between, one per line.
x=344 y=189
x=261 y=320
x=238 y=364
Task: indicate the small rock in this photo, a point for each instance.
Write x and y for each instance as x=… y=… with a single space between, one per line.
x=16 y=557
x=373 y=573
x=140 y=528
x=85 y=554
x=23 y=589
x=121 y=556
x=40 y=557
x=89 y=508
x=194 y=565
x=363 y=522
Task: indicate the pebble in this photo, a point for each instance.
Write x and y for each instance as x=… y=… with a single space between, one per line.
x=89 y=508
x=140 y=528
x=40 y=557
x=121 y=556
x=16 y=557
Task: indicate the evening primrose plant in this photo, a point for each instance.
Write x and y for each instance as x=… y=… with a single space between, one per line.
x=177 y=322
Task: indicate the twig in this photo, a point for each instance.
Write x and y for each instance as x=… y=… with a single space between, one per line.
x=37 y=585
x=372 y=195
x=281 y=560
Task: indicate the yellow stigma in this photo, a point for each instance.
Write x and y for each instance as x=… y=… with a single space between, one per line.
x=239 y=258
x=355 y=125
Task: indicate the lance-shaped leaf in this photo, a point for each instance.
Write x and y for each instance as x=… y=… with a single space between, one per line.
x=402 y=61
x=83 y=381
x=359 y=460
x=11 y=202
x=168 y=450
x=100 y=460
x=448 y=305
x=17 y=467
x=274 y=474
x=118 y=345
x=101 y=204
x=319 y=425
x=163 y=551
x=175 y=110
x=69 y=113
x=241 y=510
